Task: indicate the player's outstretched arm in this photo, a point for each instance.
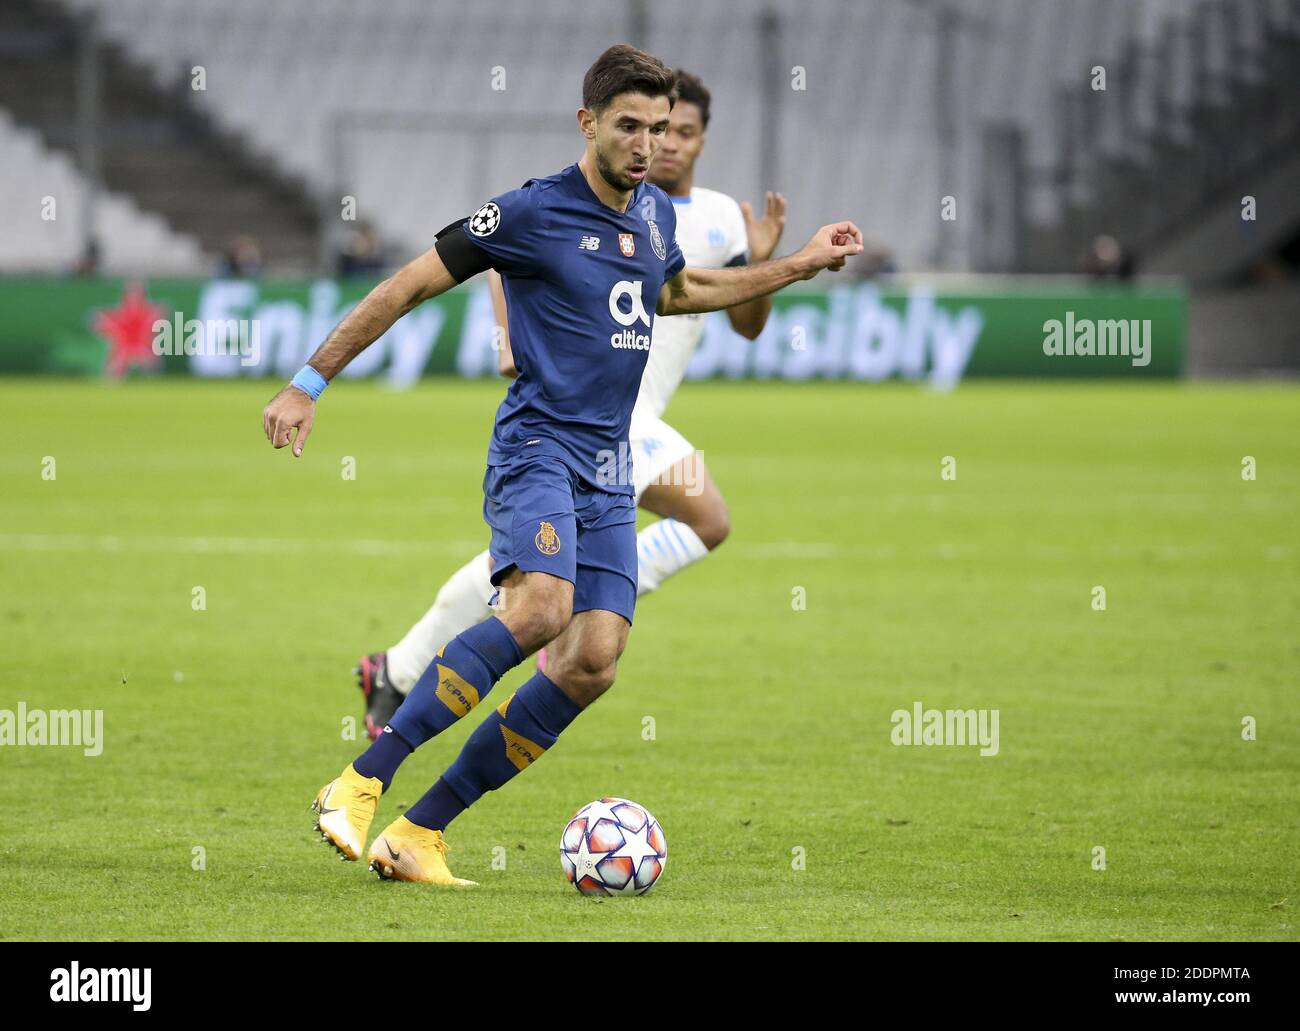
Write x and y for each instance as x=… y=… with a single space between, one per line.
x=294 y=407
x=695 y=290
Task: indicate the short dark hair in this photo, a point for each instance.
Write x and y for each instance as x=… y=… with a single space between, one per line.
x=691 y=90
x=625 y=69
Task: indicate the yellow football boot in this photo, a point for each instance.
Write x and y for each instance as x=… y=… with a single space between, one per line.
x=346 y=805
x=408 y=852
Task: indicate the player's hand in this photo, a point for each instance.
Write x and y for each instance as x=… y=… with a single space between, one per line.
x=830 y=247
x=765 y=233
x=289 y=408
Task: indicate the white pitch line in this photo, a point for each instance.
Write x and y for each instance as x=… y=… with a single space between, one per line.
x=234 y=545
x=756 y=551
x=351 y=546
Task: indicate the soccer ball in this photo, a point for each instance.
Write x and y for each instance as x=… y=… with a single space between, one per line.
x=613 y=847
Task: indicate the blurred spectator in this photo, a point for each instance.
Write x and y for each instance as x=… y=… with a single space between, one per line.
x=1268 y=271
x=875 y=261
x=243 y=257
x=363 y=254
x=88 y=264
x=1106 y=259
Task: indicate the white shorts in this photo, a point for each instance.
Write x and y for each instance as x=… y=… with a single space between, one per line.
x=656 y=448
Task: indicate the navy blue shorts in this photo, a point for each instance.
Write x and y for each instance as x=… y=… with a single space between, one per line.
x=544 y=518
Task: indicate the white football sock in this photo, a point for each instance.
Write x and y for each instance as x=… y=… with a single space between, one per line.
x=662 y=549
x=461 y=602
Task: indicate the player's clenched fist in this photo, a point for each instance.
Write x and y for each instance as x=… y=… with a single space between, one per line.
x=289 y=408
x=830 y=246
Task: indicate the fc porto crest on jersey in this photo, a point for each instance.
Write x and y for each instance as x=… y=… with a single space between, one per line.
x=656 y=239
x=627 y=244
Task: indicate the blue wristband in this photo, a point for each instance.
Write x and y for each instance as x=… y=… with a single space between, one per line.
x=310 y=382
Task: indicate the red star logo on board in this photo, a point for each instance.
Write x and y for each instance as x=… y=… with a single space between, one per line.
x=128 y=328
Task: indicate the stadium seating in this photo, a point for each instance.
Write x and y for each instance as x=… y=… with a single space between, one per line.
x=392 y=101
x=131 y=240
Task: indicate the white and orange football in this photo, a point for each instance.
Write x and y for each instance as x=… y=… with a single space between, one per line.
x=613 y=847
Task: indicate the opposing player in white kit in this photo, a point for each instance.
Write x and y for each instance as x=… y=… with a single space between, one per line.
x=669 y=475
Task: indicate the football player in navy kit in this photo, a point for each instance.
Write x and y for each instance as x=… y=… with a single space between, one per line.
x=558 y=493
x=670 y=476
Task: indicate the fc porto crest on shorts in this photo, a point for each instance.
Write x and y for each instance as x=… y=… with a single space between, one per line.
x=656 y=239
x=627 y=244
x=547 y=540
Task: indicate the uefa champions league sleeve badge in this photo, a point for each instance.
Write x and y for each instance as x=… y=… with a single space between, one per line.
x=485 y=220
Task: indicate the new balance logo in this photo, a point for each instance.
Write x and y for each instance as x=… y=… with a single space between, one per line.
x=589 y=243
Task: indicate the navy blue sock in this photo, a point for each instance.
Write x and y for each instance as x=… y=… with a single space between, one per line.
x=510 y=740
x=464 y=671
x=437 y=807
x=383 y=757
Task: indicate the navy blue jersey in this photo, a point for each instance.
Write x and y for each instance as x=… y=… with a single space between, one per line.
x=581 y=284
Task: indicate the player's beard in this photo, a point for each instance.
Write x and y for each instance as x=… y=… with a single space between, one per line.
x=611 y=175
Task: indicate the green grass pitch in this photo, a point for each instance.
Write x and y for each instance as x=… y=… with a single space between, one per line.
x=1119 y=728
